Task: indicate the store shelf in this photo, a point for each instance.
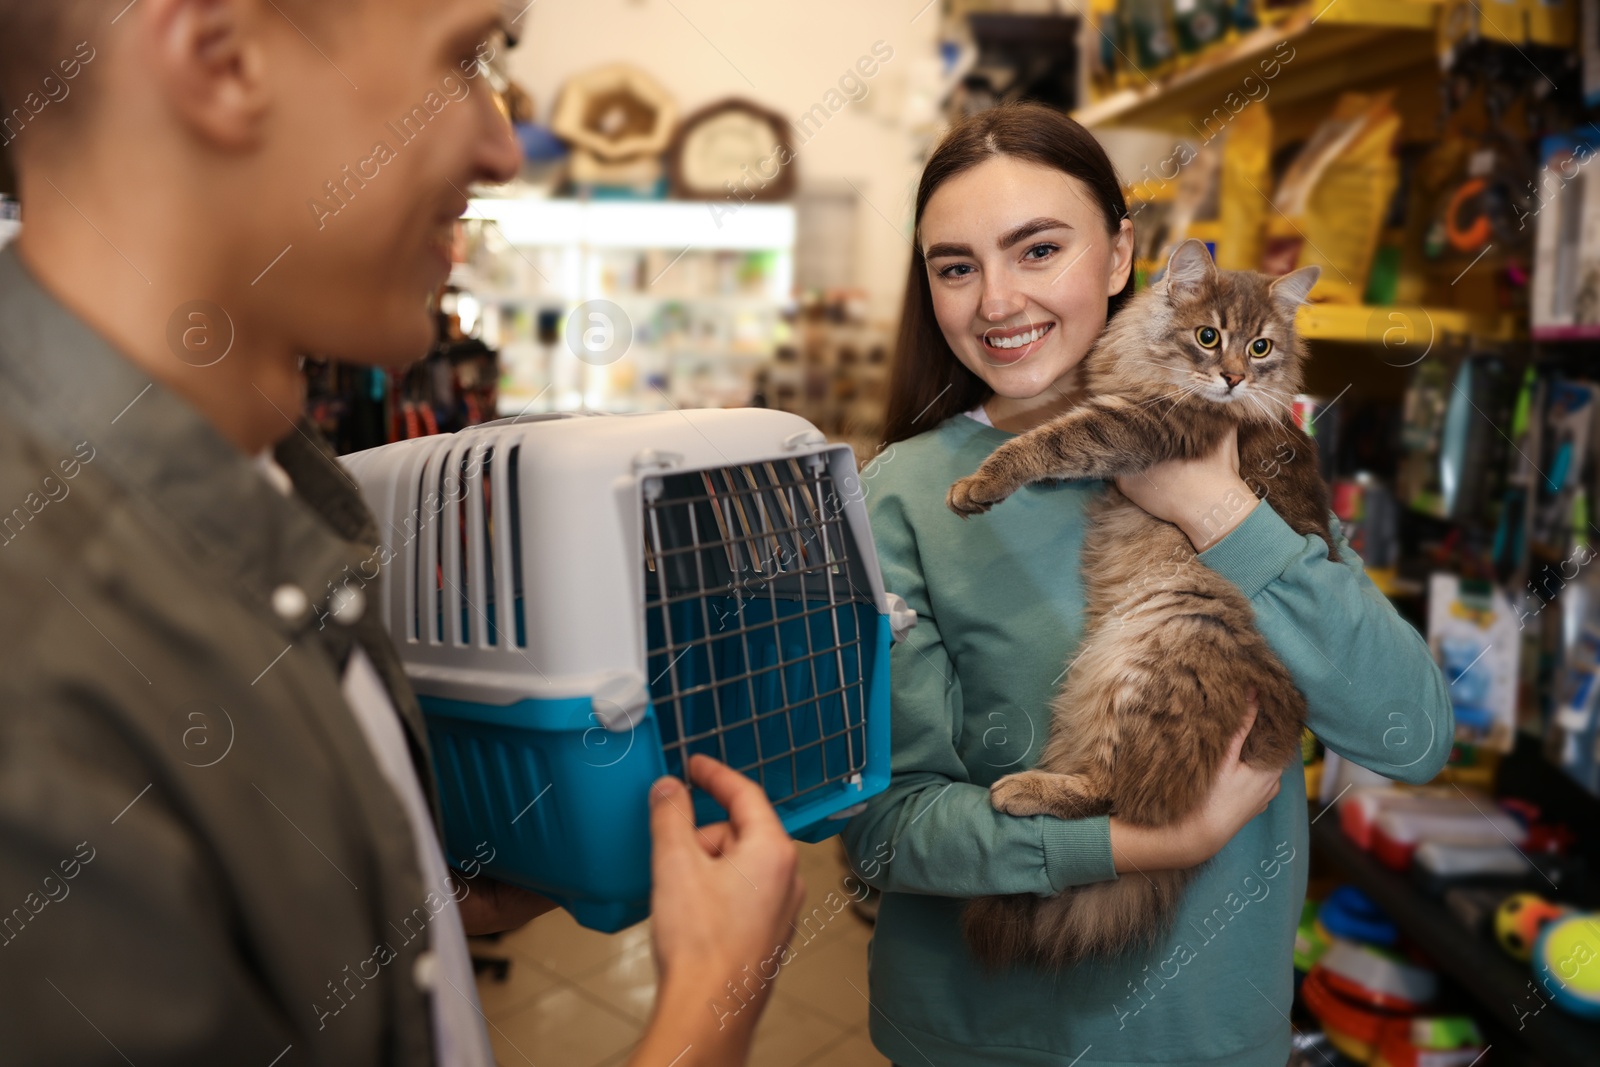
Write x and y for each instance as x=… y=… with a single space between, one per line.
x=1399 y=324
x=674 y=224
x=512 y=298
x=1331 y=44
x=703 y=285
x=1498 y=983
x=1557 y=333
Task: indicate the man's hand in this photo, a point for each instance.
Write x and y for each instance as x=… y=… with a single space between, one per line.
x=723 y=903
x=1205 y=497
x=492 y=907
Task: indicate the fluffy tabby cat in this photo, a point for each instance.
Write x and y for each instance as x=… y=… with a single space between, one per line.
x=1170 y=649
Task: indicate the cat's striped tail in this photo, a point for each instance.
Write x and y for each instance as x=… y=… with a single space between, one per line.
x=1098 y=920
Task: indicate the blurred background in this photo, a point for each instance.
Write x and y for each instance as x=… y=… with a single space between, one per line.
x=715 y=210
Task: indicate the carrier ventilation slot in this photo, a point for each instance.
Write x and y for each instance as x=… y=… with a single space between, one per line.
x=465 y=533
x=412 y=539
x=513 y=481
x=491 y=602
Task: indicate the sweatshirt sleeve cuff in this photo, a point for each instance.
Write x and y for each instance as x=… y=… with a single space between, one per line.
x=1077 y=851
x=1255 y=552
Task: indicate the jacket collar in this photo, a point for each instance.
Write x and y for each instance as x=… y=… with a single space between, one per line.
x=67 y=385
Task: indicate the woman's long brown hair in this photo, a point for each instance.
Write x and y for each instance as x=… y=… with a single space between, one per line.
x=927 y=383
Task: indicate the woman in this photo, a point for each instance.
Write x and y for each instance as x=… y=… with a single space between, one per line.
x=1023 y=248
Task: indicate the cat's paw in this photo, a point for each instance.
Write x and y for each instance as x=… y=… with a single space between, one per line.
x=1018 y=794
x=971 y=495
x=1038 y=793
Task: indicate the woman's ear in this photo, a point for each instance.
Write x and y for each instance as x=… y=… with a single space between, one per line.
x=1121 y=262
x=210 y=60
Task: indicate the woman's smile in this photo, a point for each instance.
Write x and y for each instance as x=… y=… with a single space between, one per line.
x=1016 y=343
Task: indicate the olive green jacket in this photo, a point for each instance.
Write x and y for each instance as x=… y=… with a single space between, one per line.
x=200 y=861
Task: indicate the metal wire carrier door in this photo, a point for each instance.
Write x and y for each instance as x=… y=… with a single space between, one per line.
x=755 y=617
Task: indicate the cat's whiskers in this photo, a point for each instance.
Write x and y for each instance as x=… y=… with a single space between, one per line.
x=1273 y=421
x=1255 y=400
x=1277 y=397
x=1134 y=361
x=1163 y=396
x=1267 y=413
x=1187 y=393
x=1145 y=362
x=1177 y=397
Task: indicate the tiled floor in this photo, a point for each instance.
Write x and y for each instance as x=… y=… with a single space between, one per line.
x=576 y=998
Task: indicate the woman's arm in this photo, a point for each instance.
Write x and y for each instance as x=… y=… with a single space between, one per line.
x=1373 y=692
x=933 y=830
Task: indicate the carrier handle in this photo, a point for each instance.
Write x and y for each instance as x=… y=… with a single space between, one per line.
x=651 y=459
x=538 y=416
x=803 y=439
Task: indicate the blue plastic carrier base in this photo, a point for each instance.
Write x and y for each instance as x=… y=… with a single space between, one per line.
x=542 y=796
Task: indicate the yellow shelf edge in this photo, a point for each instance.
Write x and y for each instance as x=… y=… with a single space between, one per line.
x=1399 y=324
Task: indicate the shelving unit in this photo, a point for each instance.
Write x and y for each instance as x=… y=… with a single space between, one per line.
x=1498 y=984
x=1294 y=69
x=703 y=289
x=1338 y=44
x=1331 y=45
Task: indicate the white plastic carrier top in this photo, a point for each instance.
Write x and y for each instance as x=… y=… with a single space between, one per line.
x=544 y=594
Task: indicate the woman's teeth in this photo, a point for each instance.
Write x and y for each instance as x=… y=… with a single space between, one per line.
x=1020 y=340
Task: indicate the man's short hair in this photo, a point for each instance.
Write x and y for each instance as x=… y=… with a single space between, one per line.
x=39 y=58
x=35 y=37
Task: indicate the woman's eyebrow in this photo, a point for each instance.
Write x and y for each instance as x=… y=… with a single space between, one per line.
x=946 y=249
x=1007 y=239
x=1028 y=229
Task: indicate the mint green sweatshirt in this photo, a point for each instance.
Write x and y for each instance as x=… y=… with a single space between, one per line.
x=1000 y=603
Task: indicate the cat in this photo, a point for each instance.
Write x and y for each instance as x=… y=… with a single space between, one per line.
x=1170 y=652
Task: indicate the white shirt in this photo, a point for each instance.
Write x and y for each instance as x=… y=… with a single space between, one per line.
x=459 y=1035
x=979 y=415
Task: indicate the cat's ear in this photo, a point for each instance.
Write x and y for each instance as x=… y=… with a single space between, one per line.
x=1290 y=290
x=1189 y=268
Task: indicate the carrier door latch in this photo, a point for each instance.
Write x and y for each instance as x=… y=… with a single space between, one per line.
x=902 y=616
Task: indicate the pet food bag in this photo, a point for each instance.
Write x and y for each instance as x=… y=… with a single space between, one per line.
x=1332 y=199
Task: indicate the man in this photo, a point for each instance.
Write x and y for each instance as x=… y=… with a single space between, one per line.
x=216 y=811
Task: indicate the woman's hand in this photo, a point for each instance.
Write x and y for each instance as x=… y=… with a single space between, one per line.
x=1239 y=794
x=722 y=904
x=1205 y=498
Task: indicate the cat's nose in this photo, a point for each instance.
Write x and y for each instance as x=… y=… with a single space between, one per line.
x=1232 y=379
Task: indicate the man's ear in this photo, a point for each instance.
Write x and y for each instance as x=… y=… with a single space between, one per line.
x=209 y=59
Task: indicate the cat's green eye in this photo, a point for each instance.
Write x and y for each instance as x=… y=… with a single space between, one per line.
x=1260 y=347
x=1208 y=336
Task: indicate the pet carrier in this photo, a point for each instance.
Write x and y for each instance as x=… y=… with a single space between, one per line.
x=584 y=601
